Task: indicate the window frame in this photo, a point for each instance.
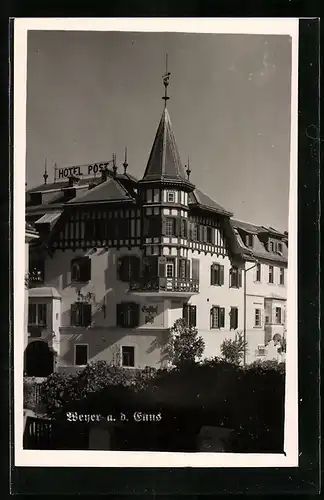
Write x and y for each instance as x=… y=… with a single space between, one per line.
x=234 y=308
x=278 y=309
x=216 y=274
x=79 y=344
x=258 y=273
x=127 y=310
x=37 y=315
x=235 y=271
x=220 y=323
x=271 y=273
x=80 y=262
x=282 y=276
x=257 y=324
x=172 y=193
x=191 y=308
x=122 y=347
x=81 y=305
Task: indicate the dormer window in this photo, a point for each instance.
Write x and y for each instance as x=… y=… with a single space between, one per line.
x=81 y=270
x=279 y=247
x=171 y=196
x=271 y=246
x=249 y=240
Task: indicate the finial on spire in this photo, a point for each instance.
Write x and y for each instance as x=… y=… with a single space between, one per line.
x=45 y=174
x=188 y=171
x=125 y=164
x=114 y=165
x=166 y=78
x=55 y=171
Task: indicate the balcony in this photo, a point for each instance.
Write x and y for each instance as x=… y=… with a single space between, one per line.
x=167 y=287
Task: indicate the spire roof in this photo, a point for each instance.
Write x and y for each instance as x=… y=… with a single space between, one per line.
x=164 y=163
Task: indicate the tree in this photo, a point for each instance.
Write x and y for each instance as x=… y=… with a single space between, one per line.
x=233 y=350
x=185 y=346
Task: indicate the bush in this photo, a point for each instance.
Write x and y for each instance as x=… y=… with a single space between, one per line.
x=233 y=350
x=185 y=346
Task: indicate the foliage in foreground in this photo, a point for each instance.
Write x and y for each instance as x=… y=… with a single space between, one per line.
x=249 y=400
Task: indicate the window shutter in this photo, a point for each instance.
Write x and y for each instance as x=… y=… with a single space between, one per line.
x=73 y=312
x=135 y=315
x=195 y=269
x=221 y=317
x=185 y=313
x=87 y=316
x=230 y=278
x=87 y=269
x=239 y=278
x=177 y=228
x=221 y=275
x=211 y=317
x=188 y=268
x=119 y=315
x=134 y=268
x=193 y=316
x=212 y=275
x=119 y=268
x=236 y=318
x=162 y=262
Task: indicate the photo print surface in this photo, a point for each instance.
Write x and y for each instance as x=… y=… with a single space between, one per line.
x=155 y=193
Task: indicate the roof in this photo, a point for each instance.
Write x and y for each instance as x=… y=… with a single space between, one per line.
x=58 y=185
x=246 y=226
x=109 y=190
x=164 y=162
x=49 y=218
x=275 y=296
x=201 y=199
x=44 y=291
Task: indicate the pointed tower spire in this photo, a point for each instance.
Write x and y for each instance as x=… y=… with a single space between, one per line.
x=125 y=164
x=188 y=171
x=166 y=78
x=45 y=174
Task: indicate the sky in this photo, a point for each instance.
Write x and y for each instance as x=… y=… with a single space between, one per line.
x=90 y=94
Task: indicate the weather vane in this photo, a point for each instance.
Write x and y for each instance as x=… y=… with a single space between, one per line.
x=166 y=78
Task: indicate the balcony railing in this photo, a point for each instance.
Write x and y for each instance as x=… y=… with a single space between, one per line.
x=165 y=285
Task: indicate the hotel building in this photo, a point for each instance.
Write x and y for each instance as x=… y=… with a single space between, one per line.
x=118 y=260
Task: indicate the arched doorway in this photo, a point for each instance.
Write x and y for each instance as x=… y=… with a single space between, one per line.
x=39 y=359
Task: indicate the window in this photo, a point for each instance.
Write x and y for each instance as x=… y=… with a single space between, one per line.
x=209 y=235
x=128 y=355
x=194 y=231
x=235 y=277
x=81 y=314
x=37 y=314
x=249 y=240
x=279 y=247
x=81 y=354
x=170 y=226
x=258 y=273
x=128 y=268
x=156 y=197
x=81 y=270
x=127 y=314
x=184 y=228
x=270 y=274
x=169 y=269
x=267 y=320
x=282 y=276
x=189 y=313
x=184 y=268
x=217 y=317
x=278 y=315
x=171 y=196
x=272 y=246
x=233 y=318
x=257 y=317
x=216 y=274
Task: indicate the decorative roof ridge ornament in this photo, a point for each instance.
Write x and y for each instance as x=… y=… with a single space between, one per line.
x=166 y=78
x=114 y=165
x=188 y=171
x=45 y=174
x=125 y=164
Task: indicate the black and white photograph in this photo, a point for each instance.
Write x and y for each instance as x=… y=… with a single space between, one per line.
x=155 y=170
